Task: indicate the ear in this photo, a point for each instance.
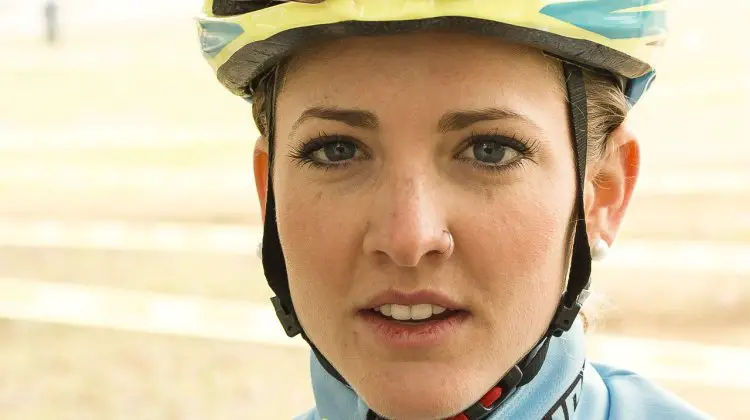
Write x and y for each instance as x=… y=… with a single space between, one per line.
x=610 y=185
x=260 y=167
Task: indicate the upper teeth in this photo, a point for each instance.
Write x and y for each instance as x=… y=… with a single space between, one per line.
x=415 y=312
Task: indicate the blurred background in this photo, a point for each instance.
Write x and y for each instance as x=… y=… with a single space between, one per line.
x=129 y=285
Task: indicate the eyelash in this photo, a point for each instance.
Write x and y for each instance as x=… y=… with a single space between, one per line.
x=526 y=148
x=302 y=153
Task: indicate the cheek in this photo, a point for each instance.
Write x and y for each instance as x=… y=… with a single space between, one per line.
x=519 y=267
x=319 y=238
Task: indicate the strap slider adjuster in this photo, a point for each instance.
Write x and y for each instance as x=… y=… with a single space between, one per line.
x=566 y=315
x=287 y=317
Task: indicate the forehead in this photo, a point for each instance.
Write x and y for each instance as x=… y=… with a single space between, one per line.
x=425 y=71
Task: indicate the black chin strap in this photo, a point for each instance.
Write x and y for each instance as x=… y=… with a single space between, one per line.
x=579 y=277
x=570 y=305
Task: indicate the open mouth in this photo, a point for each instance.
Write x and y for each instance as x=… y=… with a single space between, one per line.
x=413 y=314
x=414 y=326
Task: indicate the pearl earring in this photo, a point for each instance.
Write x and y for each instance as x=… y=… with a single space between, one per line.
x=599 y=249
x=259 y=251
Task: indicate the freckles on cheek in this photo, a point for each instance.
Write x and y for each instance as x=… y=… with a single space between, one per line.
x=302 y=225
x=317 y=239
x=313 y=261
x=298 y=213
x=525 y=232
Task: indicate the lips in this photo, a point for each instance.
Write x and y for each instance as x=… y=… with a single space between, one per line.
x=423 y=297
x=400 y=321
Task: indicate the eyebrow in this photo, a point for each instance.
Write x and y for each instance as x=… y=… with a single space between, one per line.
x=453 y=121
x=459 y=120
x=352 y=117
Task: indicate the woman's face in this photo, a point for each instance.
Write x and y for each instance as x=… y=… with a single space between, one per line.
x=386 y=148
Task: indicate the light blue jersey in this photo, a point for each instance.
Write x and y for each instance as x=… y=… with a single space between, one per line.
x=566 y=388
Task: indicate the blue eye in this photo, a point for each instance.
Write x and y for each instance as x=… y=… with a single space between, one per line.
x=329 y=152
x=336 y=151
x=493 y=151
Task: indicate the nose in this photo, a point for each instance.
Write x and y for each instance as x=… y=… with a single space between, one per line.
x=407 y=223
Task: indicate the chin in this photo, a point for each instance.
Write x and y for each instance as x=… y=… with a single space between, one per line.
x=412 y=395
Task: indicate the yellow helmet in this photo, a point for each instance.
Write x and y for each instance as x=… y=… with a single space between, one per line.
x=241 y=39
